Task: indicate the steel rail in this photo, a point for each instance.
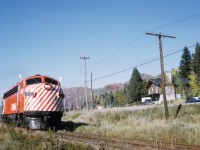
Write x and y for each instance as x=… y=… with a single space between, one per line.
x=105 y=142
x=122 y=143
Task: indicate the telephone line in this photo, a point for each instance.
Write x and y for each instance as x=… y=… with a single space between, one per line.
x=121 y=48
x=73 y=81
x=174 y=22
x=148 y=62
x=140 y=64
x=141 y=35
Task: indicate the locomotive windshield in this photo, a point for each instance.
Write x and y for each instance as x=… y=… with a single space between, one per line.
x=51 y=81
x=33 y=81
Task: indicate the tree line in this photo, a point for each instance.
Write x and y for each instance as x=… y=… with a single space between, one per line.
x=189 y=68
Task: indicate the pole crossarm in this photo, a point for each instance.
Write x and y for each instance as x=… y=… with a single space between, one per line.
x=160 y=35
x=84 y=57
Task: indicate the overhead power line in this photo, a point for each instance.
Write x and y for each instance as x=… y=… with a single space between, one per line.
x=74 y=79
x=121 y=48
x=176 y=21
x=142 y=64
x=141 y=35
x=153 y=60
x=137 y=38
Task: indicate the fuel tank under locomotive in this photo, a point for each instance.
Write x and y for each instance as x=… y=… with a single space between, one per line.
x=43 y=120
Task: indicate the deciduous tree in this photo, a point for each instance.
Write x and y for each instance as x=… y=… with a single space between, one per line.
x=194 y=84
x=119 y=96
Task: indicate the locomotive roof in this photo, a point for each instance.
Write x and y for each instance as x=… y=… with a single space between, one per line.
x=13 y=86
x=37 y=75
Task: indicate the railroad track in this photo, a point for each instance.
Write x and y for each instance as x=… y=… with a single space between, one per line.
x=102 y=142
x=111 y=143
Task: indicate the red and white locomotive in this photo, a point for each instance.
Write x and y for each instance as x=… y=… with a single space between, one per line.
x=35 y=102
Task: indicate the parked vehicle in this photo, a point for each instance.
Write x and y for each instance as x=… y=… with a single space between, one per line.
x=146 y=100
x=193 y=100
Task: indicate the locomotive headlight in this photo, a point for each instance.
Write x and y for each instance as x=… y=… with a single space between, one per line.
x=47 y=86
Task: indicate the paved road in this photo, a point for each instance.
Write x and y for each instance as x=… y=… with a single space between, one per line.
x=128 y=108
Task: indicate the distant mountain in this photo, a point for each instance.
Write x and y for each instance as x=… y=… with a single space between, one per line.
x=146 y=76
x=114 y=87
x=77 y=94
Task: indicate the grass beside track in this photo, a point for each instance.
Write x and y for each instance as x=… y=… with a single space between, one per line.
x=12 y=139
x=145 y=124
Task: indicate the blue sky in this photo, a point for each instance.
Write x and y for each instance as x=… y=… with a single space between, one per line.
x=49 y=37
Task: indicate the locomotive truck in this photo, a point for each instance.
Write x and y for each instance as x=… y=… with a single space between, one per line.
x=36 y=102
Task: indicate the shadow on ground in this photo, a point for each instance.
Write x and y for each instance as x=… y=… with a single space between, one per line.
x=71 y=126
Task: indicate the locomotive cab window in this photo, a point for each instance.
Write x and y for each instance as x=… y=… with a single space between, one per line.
x=51 y=81
x=33 y=81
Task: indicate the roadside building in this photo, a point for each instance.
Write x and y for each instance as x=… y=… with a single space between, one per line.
x=154 y=87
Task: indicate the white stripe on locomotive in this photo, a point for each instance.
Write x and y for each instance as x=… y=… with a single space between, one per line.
x=27 y=99
x=32 y=100
x=43 y=97
x=48 y=99
x=38 y=99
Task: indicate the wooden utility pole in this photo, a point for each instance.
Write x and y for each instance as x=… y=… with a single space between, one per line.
x=92 y=93
x=68 y=100
x=159 y=35
x=85 y=58
x=76 y=98
x=64 y=100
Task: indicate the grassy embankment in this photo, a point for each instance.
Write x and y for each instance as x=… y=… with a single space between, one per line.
x=148 y=124
x=12 y=139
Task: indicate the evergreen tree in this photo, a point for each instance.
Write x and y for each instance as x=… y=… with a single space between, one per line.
x=185 y=63
x=196 y=61
x=106 y=97
x=135 y=88
x=111 y=99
